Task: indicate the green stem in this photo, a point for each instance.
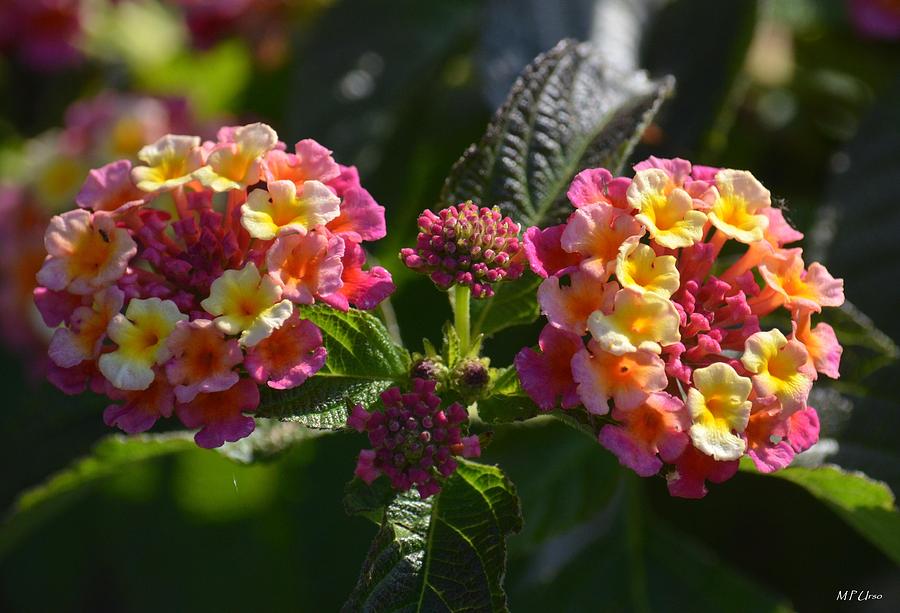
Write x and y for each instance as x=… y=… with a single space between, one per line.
x=462 y=294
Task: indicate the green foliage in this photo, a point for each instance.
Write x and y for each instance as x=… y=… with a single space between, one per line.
x=112 y=455
x=592 y=541
x=445 y=553
x=506 y=401
x=866 y=348
x=368 y=500
x=865 y=504
x=568 y=111
x=362 y=362
x=513 y=304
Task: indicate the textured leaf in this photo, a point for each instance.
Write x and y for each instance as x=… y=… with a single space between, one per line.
x=515 y=31
x=362 y=362
x=568 y=111
x=368 y=500
x=446 y=553
x=514 y=304
x=507 y=401
x=865 y=504
x=268 y=441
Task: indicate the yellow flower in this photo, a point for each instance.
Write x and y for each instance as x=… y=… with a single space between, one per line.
x=235 y=164
x=170 y=163
x=639 y=268
x=281 y=209
x=738 y=208
x=665 y=210
x=780 y=368
x=719 y=411
x=141 y=335
x=245 y=303
x=638 y=321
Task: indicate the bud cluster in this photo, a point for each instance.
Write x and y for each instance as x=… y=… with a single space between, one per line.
x=413 y=439
x=466 y=245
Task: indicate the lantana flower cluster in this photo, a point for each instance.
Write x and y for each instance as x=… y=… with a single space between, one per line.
x=174 y=286
x=44 y=178
x=413 y=439
x=654 y=291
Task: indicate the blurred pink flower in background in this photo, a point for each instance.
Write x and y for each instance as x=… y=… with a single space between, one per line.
x=879 y=19
x=96 y=130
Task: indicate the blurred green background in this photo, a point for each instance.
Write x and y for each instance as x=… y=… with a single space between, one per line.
x=787 y=88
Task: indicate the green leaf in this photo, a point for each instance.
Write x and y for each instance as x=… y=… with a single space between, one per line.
x=108 y=458
x=866 y=348
x=268 y=441
x=867 y=505
x=446 y=553
x=362 y=362
x=592 y=541
x=368 y=500
x=568 y=111
x=507 y=401
x=513 y=304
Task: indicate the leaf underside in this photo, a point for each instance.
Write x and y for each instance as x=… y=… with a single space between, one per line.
x=446 y=553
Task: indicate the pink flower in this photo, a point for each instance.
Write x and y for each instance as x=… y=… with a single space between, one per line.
x=821 y=344
x=360 y=218
x=876 y=19
x=288 y=357
x=765 y=434
x=625 y=379
x=657 y=426
x=545 y=254
x=596 y=186
x=137 y=411
x=82 y=338
x=220 y=415
x=109 y=188
x=77 y=379
x=56 y=307
x=309 y=162
x=803 y=429
x=307 y=266
x=87 y=252
x=596 y=232
x=693 y=468
x=46 y=32
x=662 y=326
x=364 y=289
x=202 y=360
x=546 y=375
x=568 y=307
